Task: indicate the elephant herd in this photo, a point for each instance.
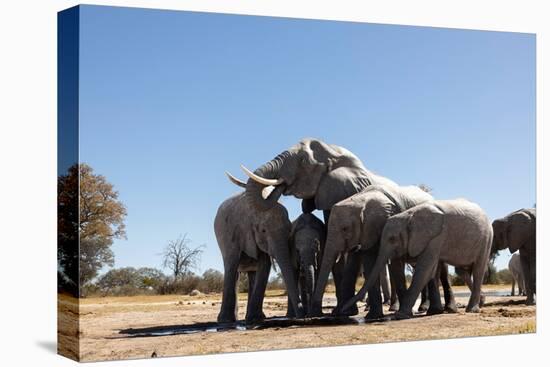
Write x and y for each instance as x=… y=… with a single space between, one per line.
x=370 y=224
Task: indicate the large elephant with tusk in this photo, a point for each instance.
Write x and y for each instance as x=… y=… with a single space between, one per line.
x=321 y=175
x=248 y=238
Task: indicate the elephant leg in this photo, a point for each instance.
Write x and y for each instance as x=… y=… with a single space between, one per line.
x=424 y=300
x=425 y=270
x=448 y=294
x=533 y=275
x=251 y=276
x=466 y=276
x=478 y=273
x=338 y=277
x=398 y=282
x=529 y=275
x=436 y=307
x=229 y=307
x=290 y=312
x=384 y=283
x=513 y=292
x=254 y=312
x=375 y=298
x=347 y=283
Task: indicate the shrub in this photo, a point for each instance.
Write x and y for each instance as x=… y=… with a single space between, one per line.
x=212 y=281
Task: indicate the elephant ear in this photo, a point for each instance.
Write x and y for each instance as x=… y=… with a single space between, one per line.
x=523 y=227
x=424 y=225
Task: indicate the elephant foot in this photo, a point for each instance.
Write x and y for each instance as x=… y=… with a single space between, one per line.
x=473 y=309
x=374 y=315
x=254 y=319
x=315 y=311
x=451 y=308
x=403 y=315
x=394 y=306
x=530 y=302
x=350 y=311
x=435 y=311
x=226 y=319
x=424 y=307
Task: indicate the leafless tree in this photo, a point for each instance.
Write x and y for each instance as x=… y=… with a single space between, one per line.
x=180 y=257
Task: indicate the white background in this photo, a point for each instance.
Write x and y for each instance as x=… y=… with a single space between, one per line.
x=28 y=179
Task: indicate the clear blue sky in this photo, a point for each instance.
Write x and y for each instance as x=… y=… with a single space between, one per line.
x=170 y=100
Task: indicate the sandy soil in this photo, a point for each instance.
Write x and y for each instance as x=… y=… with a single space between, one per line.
x=102 y=319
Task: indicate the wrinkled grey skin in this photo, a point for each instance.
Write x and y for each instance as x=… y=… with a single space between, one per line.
x=322 y=175
x=356 y=224
x=307 y=243
x=247 y=239
x=456 y=232
x=514 y=265
x=517 y=231
x=441 y=279
x=387 y=291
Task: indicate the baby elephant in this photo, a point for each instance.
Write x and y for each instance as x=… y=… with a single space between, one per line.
x=307 y=243
x=456 y=232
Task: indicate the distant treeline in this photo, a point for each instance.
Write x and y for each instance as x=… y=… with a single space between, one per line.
x=131 y=281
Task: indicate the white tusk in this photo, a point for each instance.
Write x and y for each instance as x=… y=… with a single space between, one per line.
x=267 y=191
x=259 y=179
x=235 y=180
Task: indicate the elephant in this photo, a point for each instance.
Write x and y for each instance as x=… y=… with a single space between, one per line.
x=307 y=243
x=321 y=175
x=517 y=231
x=456 y=232
x=514 y=265
x=356 y=224
x=248 y=239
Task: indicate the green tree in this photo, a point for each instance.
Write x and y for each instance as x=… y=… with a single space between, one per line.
x=151 y=278
x=212 y=281
x=101 y=221
x=491 y=276
x=504 y=276
x=117 y=278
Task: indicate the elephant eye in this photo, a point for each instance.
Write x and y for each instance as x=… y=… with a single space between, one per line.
x=263 y=230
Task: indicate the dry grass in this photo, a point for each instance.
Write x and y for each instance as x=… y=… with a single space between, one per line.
x=102 y=319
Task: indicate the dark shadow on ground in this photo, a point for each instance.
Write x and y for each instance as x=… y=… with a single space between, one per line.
x=273 y=322
x=510 y=302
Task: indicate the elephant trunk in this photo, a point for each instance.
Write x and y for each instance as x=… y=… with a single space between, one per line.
x=269 y=170
x=369 y=283
x=310 y=284
x=329 y=258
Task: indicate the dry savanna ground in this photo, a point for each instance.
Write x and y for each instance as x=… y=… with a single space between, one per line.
x=97 y=336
